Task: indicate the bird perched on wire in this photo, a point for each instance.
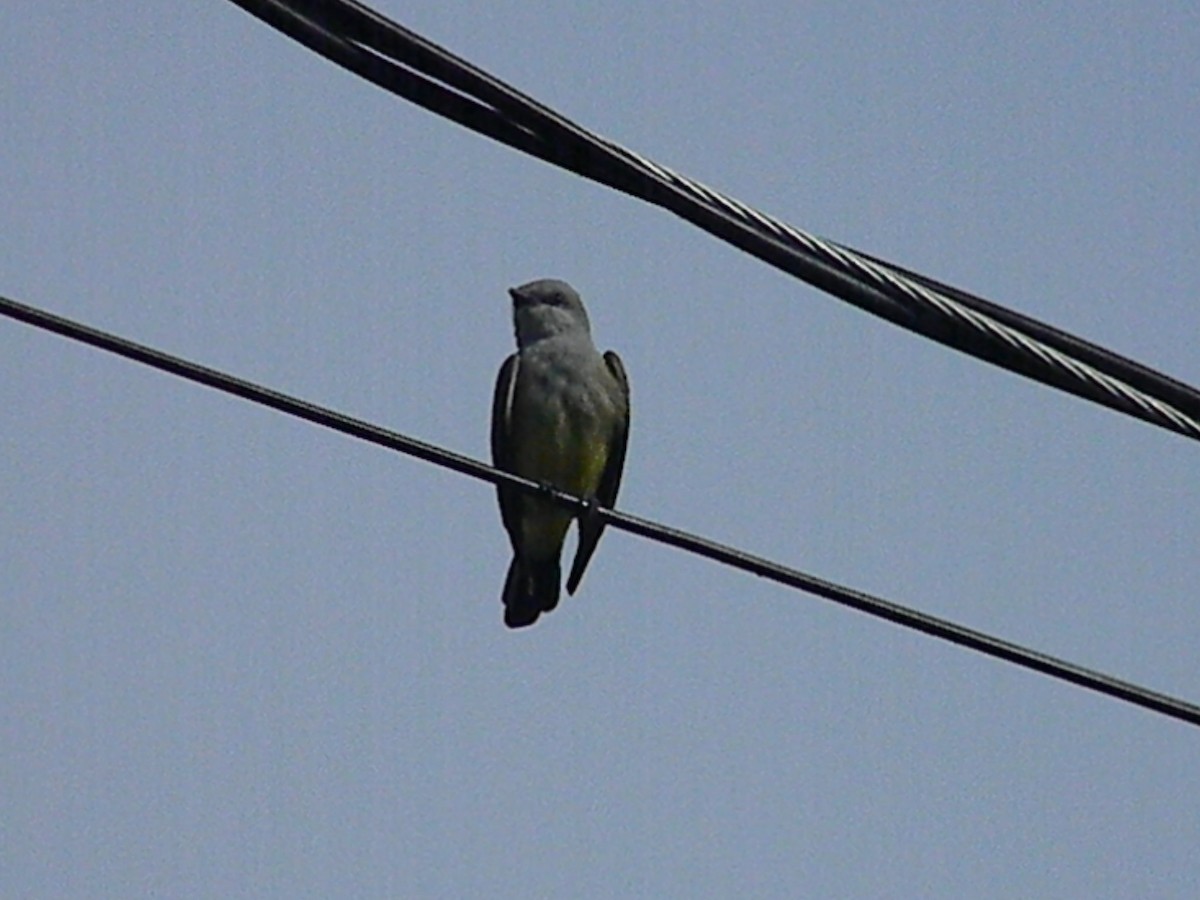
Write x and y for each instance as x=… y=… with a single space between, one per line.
x=560 y=416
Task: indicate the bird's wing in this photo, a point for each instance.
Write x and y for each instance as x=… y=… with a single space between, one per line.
x=502 y=444
x=591 y=527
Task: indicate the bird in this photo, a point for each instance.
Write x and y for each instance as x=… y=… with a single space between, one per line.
x=560 y=416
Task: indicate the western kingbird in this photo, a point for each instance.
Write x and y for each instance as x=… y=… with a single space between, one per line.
x=560 y=416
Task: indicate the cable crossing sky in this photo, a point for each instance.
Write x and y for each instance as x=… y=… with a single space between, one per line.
x=875 y=606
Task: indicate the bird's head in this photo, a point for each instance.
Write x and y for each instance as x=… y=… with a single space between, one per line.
x=546 y=308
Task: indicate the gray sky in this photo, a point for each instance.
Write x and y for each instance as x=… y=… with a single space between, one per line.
x=243 y=656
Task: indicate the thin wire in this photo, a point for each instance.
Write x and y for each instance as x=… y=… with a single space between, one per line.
x=387 y=54
x=874 y=606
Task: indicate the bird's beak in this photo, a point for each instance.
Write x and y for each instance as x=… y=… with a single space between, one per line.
x=518 y=298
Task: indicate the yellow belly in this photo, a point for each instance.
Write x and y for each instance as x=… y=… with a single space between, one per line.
x=570 y=462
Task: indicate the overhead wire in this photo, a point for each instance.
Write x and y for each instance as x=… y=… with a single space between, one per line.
x=394 y=58
x=936 y=627
x=405 y=63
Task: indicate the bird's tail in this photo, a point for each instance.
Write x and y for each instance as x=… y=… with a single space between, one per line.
x=530 y=589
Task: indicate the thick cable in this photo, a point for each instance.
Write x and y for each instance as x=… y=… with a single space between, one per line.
x=405 y=63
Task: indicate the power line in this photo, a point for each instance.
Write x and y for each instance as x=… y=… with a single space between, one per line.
x=406 y=64
x=875 y=606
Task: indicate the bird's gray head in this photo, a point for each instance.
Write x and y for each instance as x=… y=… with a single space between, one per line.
x=546 y=308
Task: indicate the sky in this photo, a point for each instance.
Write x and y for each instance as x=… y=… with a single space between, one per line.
x=243 y=656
